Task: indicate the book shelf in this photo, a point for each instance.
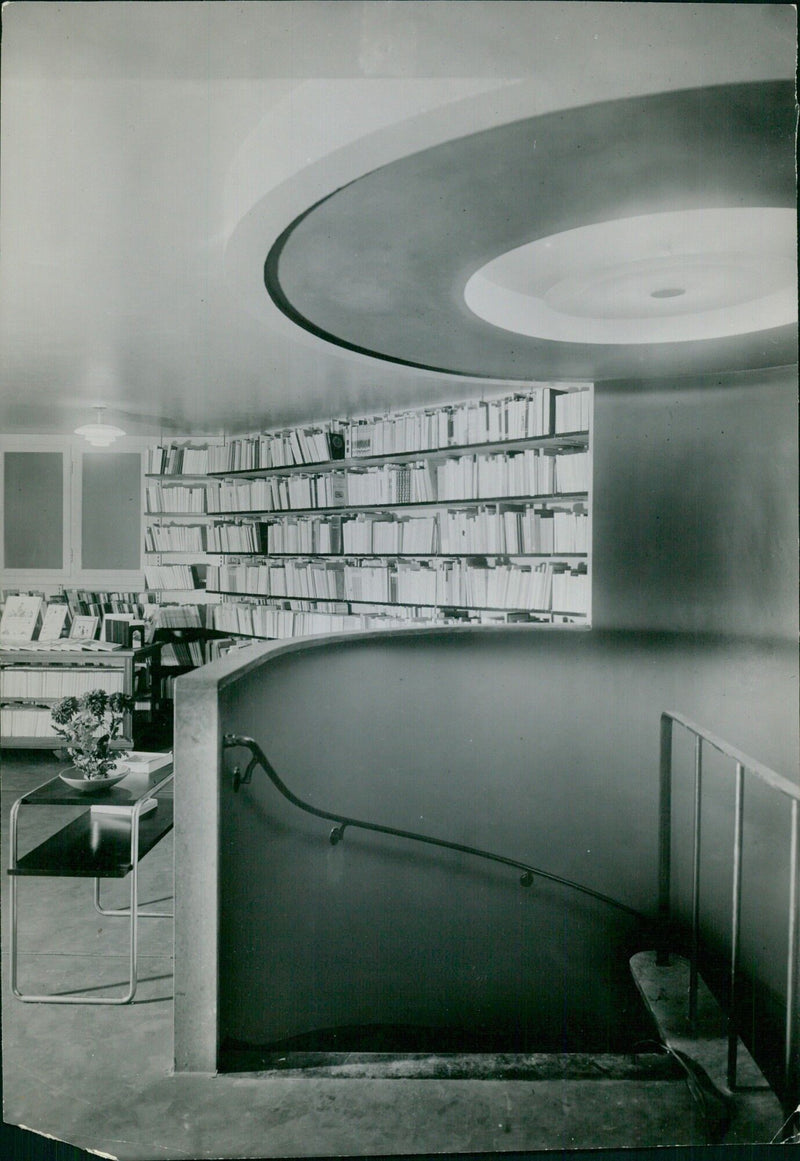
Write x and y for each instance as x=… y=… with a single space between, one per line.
x=32 y=681
x=476 y=511
x=176 y=521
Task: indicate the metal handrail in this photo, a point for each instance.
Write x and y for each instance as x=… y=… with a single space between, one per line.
x=776 y=782
x=258 y=758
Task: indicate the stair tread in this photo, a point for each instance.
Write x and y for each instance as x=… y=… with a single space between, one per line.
x=756 y=1114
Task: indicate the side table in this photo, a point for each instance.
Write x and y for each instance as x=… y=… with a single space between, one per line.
x=93 y=846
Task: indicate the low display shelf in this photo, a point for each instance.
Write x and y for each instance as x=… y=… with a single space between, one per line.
x=31 y=681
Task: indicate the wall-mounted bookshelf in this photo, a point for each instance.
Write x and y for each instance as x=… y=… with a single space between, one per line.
x=176 y=520
x=475 y=511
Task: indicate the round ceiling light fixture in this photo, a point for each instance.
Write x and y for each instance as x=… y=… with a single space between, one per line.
x=99 y=434
x=668 y=277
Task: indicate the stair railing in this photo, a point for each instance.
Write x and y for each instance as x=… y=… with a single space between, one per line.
x=342 y=821
x=780 y=785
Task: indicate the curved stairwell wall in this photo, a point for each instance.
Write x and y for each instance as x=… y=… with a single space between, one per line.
x=540 y=745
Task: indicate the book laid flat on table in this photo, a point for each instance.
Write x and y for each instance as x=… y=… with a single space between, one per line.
x=145 y=761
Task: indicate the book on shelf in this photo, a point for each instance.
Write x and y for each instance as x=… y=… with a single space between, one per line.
x=56 y=622
x=175 y=576
x=22 y=617
x=124 y=629
x=84 y=627
x=336 y=445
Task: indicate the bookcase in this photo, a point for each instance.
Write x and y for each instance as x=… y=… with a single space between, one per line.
x=176 y=520
x=32 y=681
x=473 y=511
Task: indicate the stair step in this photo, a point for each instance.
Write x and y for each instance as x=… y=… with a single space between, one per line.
x=647 y=1066
x=754 y=1111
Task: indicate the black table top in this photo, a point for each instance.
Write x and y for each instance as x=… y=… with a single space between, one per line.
x=125 y=793
x=96 y=846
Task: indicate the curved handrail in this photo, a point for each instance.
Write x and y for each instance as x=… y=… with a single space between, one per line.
x=259 y=758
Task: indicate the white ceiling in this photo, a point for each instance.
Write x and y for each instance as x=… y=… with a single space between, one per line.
x=152 y=153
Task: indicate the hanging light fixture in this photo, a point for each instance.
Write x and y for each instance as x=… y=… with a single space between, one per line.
x=99 y=434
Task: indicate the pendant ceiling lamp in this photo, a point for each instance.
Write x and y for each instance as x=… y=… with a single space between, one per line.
x=99 y=434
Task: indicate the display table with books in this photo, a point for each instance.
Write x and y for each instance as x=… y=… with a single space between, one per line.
x=107 y=841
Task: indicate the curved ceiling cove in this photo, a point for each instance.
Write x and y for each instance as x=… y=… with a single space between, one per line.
x=624 y=239
x=656 y=278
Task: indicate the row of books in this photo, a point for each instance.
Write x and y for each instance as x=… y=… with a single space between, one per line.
x=391 y=484
x=175 y=538
x=573 y=411
x=513 y=531
x=571 y=592
x=180 y=617
x=247 y=536
x=175 y=576
x=71 y=681
x=440 y=583
x=279 y=449
x=532 y=472
x=265 y=621
x=271 y=621
x=26 y=723
x=518 y=416
x=262 y=620
x=378 y=534
x=28 y=618
x=462 y=478
x=176 y=498
x=188 y=654
x=86 y=602
x=177 y=459
x=183 y=653
x=528 y=414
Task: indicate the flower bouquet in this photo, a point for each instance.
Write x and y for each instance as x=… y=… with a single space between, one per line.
x=88 y=725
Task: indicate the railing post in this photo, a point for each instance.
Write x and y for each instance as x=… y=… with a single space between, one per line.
x=790 y=1063
x=736 y=909
x=693 y=962
x=664 y=840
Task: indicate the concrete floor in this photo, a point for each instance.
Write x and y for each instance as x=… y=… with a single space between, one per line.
x=100 y=1077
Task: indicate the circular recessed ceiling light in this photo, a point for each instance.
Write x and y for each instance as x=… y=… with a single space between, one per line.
x=669 y=277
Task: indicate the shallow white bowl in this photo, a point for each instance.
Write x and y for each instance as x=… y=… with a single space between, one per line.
x=85 y=785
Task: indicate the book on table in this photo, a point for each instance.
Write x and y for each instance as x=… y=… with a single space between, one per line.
x=146 y=761
x=111 y=810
